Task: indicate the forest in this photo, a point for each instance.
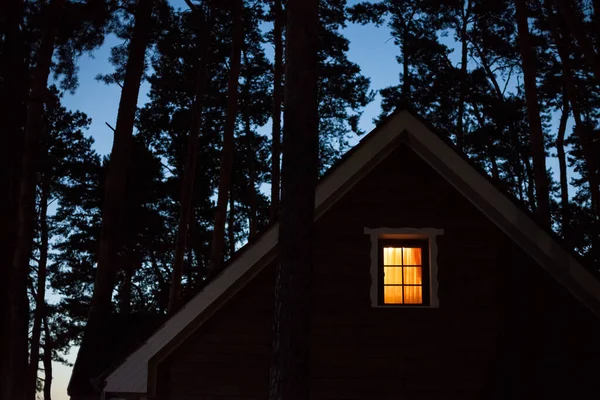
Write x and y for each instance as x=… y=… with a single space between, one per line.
x=192 y=176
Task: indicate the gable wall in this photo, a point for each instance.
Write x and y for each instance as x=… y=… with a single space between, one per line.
x=504 y=328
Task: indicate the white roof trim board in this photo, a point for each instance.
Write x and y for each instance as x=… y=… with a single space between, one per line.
x=131 y=375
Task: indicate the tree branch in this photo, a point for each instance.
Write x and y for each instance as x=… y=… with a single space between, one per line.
x=191 y=5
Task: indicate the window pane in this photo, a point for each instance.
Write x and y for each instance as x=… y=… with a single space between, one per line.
x=412 y=256
x=412 y=275
x=392 y=294
x=392 y=256
x=413 y=295
x=393 y=275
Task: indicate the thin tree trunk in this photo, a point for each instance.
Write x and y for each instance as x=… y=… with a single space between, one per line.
x=189 y=173
x=405 y=65
x=47 y=359
x=231 y=226
x=536 y=137
x=460 y=134
x=118 y=167
x=575 y=24
x=251 y=154
x=520 y=173
x=251 y=176
x=225 y=173
x=163 y=285
x=277 y=100
x=492 y=157
x=520 y=181
x=290 y=371
x=125 y=292
x=190 y=262
x=40 y=301
x=529 y=175
x=521 y=166
x=490 y=143
x=488 y=71
x=562 y=163
x=15 y=369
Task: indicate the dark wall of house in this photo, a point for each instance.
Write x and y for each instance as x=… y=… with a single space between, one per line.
x=504 y=328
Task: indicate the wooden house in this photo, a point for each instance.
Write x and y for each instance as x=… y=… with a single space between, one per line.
x=429 y=282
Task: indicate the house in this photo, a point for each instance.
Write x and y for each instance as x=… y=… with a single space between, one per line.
x=428 y=283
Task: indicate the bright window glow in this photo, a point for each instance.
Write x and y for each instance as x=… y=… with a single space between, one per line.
x=403 y=275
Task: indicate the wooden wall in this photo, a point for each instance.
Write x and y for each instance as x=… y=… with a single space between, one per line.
x=504 y=328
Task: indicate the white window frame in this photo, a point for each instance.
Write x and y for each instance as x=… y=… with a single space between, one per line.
x=429 y=234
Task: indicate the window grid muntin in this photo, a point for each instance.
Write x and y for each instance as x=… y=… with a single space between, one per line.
x=424 y=285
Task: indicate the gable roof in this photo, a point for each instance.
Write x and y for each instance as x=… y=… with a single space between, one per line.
x=138 y=372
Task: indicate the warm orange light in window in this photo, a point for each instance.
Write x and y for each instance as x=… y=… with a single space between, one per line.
x=392 y=256
x=403 y=280
x=411 y=256
x=412 y=276
x=393 y=294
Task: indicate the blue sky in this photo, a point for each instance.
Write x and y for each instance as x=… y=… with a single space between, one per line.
x=370 y=47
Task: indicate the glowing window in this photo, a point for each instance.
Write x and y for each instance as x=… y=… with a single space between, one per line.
x=403 y=271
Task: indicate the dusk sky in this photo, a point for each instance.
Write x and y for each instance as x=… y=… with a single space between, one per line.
x=370 y=47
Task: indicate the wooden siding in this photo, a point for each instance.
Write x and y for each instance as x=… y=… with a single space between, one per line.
x=504 y=329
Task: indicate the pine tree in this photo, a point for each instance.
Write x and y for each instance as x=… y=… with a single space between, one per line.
x=575 y=25
x=225 y=170
x=278 y=16
x=191 y=158
x=343 y=90
x=15 y=372
x=528 y=58
x=63 y=138
x=116 y=180
x=290 y=372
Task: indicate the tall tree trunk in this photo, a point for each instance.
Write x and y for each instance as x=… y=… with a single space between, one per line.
x=490 y=143
x=530 y=178
x=582 y=130
x=218 y=240
x=405 y=64
x=536 y=137
x=47 y=358
x=15 y=369
x=492 y=157
x=252 y=202
x=562 y=164
x=190 y=263
x=189 y=173
x=13 y=96
x=521 y=163
x=40 y=300
x=520 y=181
x=118 y=167
x=231 y=226
x=290 y=370
x=253 y=219
x=460 y=134
x=575 y=25
x=129 y=266
x=251 y=154
x=277 y=100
